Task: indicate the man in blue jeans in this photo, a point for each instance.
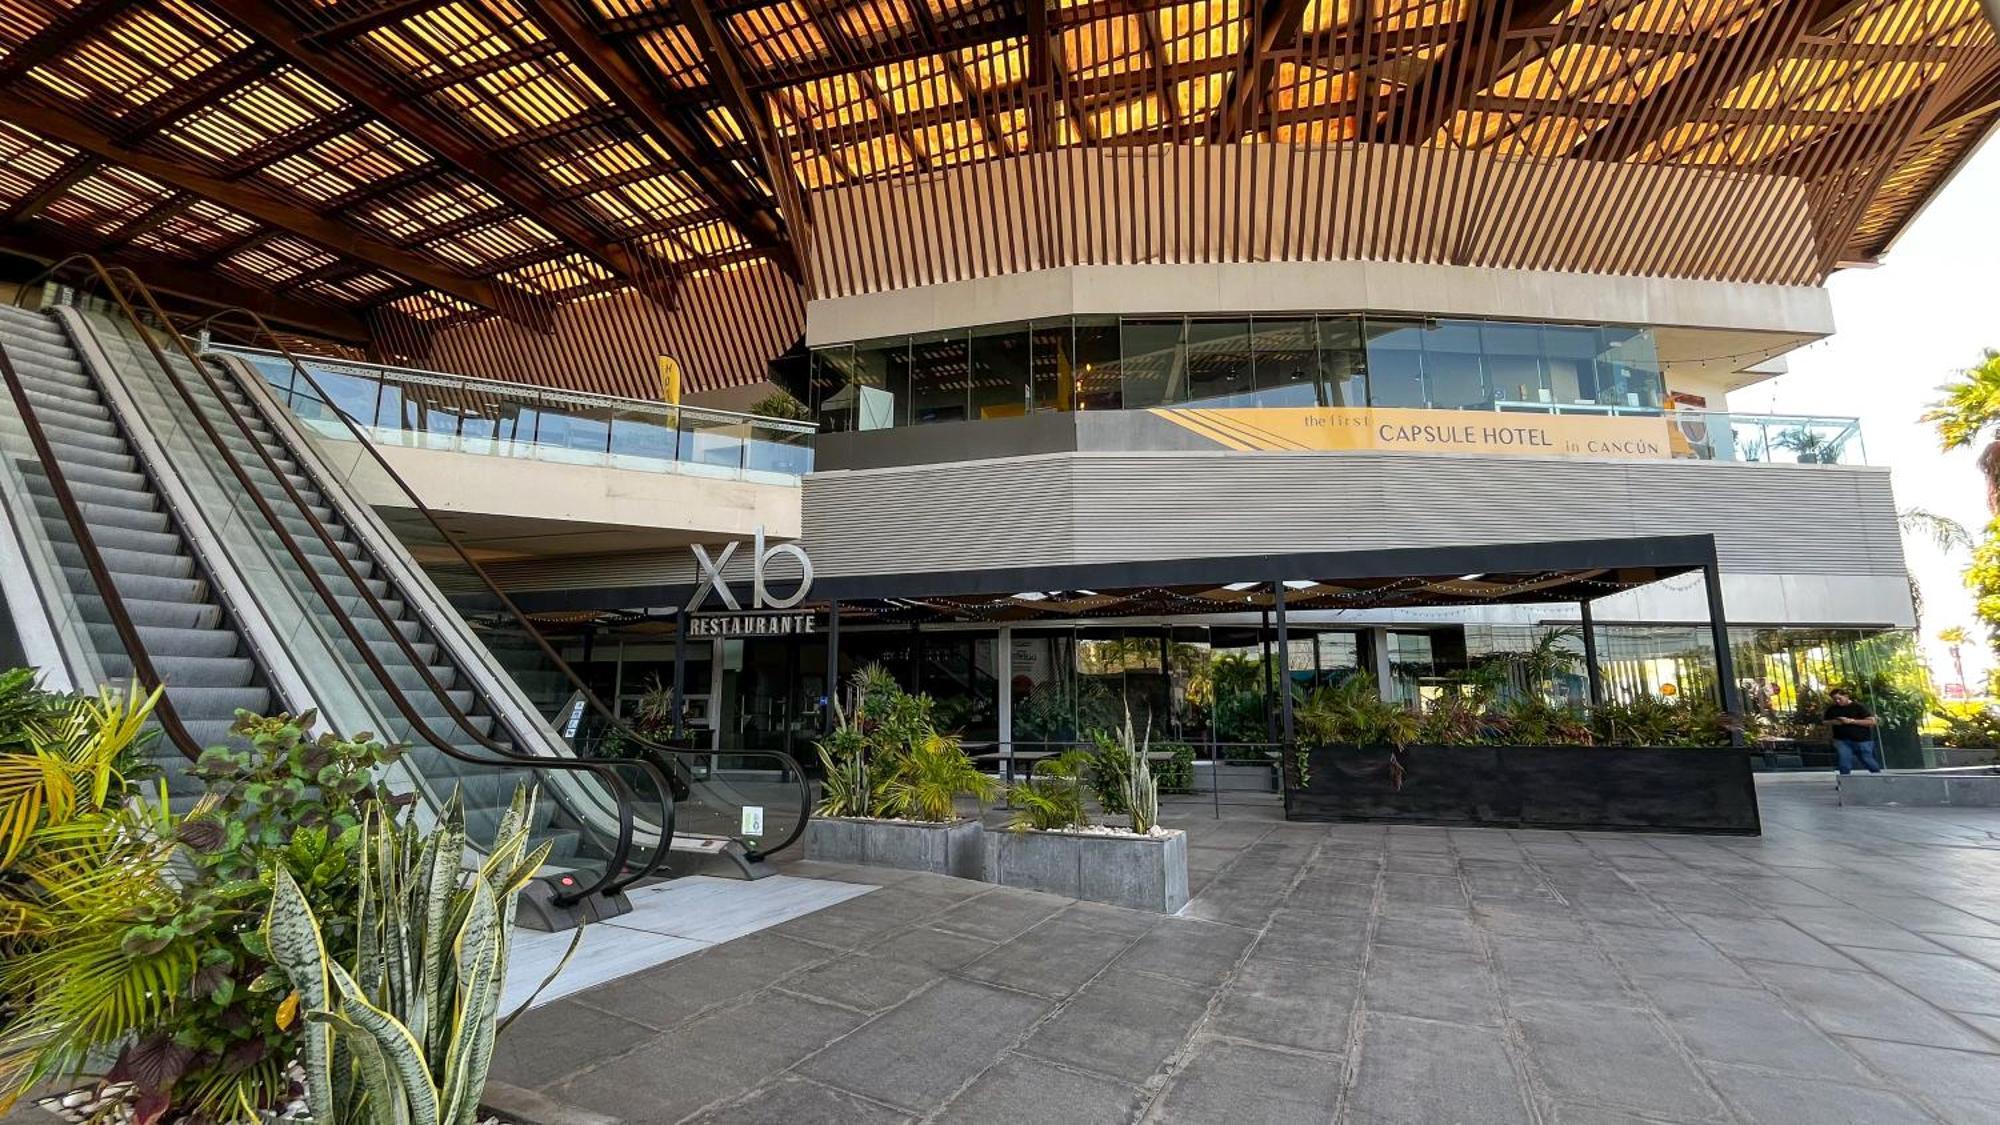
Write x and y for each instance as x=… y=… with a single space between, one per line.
x=1853 y=732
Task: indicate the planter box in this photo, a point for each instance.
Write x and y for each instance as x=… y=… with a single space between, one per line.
x=1951 y=757
x=1616 y=788
x=952 y=848
x=1140 y=872
x=1235 y=777
x=1942 y=789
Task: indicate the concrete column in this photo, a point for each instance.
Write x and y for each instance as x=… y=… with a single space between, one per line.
x=1378 y=650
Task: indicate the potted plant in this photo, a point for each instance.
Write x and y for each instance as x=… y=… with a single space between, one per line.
x=892 y=785
x=1052 y=846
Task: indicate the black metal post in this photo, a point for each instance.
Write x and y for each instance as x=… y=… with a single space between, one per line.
x=832 y=665
x=1284 y=673
x=1264 y=645
x=1725 y=661
x=680 y=671
x=1591 y=671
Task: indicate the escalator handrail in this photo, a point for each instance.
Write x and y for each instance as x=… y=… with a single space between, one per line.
x=617 y=785
x=93 y=562
x=493 y=590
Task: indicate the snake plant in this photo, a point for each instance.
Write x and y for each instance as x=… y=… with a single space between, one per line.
x=404 y=1034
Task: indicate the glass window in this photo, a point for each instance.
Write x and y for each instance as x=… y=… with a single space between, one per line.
x=1343 y=361
x=1051 y=359
x=938 y=378
x=1284 y=353
x=1514 y=362
x=1000 y=385
x=1395 y=363
x=1630 y=368
x=1572 y=363
x=1094 y=373
x=828 y=379
x=1454 y=375
x=1152 y=366
x=880 y=382
x=1219 y=369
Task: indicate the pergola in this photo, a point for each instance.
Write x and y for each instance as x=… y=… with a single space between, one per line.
x=392 y=169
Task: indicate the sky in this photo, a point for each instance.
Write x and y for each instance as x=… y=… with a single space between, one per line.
x=1901 y=329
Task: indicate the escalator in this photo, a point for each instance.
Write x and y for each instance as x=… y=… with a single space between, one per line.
x=163 y=528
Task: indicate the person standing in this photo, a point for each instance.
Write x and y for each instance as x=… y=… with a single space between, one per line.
x=1854 y=729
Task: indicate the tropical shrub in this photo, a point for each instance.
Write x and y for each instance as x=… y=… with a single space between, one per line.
x=154 y=946
x=1647 y=720
x=1534 y=721
x=890 y=760
x=1456 y=718
x=1969 y=726
x=1109 y=771
x=1141 y=795
x=1176 y=774
x=1053 y=799
x=399 y=1029
x=1353 y=713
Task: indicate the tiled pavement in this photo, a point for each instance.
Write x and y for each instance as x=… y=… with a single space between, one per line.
x=1843 y=968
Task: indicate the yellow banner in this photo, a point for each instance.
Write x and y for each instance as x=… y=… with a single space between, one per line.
x=670 y=380
x=1390 y=429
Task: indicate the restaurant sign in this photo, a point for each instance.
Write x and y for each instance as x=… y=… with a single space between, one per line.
x=1400 y=429
x=767 y=616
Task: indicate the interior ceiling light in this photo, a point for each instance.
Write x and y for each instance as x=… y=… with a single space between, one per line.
x=1472 y=577
x=1030 y=597
x=1239 y=587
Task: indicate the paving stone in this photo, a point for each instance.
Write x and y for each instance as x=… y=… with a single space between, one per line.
x=1123 y=1025
x=1770 y=1099
x=1287 y=1003
x=673 y=1075
x=1316 y=938
x=1415 y=1072
x=1053 y=959
x=1453 y=935
x=939 y=949
x=1973 y=1075
x=1196 y=952
x=1766 y=939
x=1951 y=982
x=1670 y=955
x=1533 y=918
x=869 y=984
x=1531 y=968
x=558 y=1039
x=1430 y=984
x=1846 y=926
x=1420 y=863
x=1986 y=950
x=1333 y=896
x=1610 y=1056
x=1750 y=1026
x=1858 y=1003
x=962 y=1028
x=795 y=1101
x=1245 y=1084
x=1423 y=895
x=1020 y=1090
x=1000 y=915
x=671 y=994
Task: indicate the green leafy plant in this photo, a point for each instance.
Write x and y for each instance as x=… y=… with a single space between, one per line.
x=154 y=948
x=1141 y=793
x=1969 y=726
x=1353 y=713
x=929 y=778
x=1534 y=721
x=401 y=1031
x=1109 y=771
x=1176 y=774
x=1455 y=718
x=1647 y=720
x=1053 y=799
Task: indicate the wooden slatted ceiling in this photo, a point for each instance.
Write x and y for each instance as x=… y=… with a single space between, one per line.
x=519 y=154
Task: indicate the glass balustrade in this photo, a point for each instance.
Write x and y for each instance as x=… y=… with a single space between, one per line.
x=433 y=410
x=1728 y=435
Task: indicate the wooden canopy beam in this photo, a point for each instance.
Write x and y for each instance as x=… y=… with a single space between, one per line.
x=1246 y=86
x=73 y=172
x=334 y=235
x=347 y=79
x=622 y=83
x=45 y=243
x=1470 y=62
x=1721 y=67
x=57 y=37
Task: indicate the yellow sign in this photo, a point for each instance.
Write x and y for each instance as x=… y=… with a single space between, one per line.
x=1396 y=429
x=670 y=380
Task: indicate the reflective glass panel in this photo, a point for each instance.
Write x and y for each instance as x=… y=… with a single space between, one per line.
x=1219 y=368
x=1395 y=363
x=1343 y=361
x=1454 y=374
x=1152 y=367
x=938 y=378
x=1000 y=383
x=1285 y=356
x=1094 y=373
x=1514 y=362
x=1051 y=358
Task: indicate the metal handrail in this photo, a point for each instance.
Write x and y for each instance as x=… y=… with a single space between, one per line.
x=523 y=392
x=93 y=562
x=499 y=596
x=620 y=789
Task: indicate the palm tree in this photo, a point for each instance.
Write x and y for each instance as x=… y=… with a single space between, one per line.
x=1954 y=636
x=1971 y=405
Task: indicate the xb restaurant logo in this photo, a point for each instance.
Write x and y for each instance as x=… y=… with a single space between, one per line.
x=761 y=596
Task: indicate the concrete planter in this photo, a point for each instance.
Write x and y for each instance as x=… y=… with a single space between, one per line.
x=951 y=848
x=1235 y=777
x=1139 y=872
x=1615 y=788
x=1942 y=789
